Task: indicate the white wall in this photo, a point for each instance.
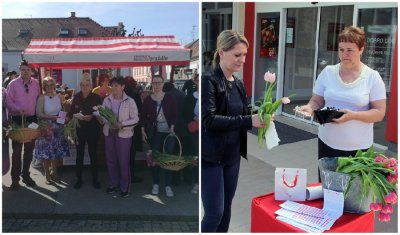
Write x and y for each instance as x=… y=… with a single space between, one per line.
x=71 y=79
x=194 y=64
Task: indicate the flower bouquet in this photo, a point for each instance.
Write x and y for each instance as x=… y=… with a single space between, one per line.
x=70 y=131
x=106 y=113
x=266 y=109
x=378 y=174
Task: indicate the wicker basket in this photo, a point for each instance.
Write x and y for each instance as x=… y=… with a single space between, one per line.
x=23 y=135
x=173 y=165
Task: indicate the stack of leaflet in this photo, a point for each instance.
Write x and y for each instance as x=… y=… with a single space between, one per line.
x=307 y=218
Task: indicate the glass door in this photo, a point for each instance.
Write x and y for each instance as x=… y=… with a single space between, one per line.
x=305 y=58
x=380 y=30
x=334 y=20
x=301 y=29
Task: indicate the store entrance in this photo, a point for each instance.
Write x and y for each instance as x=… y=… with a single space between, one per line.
x=304 y=58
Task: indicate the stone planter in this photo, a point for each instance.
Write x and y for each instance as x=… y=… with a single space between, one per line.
x=354 y=202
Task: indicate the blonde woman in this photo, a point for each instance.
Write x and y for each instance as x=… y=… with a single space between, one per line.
x=53 y=145
x=88 y=132
x=225 y=121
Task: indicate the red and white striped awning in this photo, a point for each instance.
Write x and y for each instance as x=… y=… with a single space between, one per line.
x=106 y=52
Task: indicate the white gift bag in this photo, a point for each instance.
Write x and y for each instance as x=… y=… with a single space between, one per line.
x=271 y=137
x=290 y=184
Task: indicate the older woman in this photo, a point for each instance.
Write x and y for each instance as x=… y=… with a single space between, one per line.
x=354 y=88
x=53 y=145
x=225 y=121
x=118 y=136
x=89 y=129
x=159 y=120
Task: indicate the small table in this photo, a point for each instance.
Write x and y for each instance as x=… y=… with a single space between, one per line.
x=263 y=218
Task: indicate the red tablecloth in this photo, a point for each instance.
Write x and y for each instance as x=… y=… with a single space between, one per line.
x=263 y=218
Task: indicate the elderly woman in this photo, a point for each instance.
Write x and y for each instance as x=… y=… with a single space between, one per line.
x=118 y=136
x=89 y=130
x=53 y=145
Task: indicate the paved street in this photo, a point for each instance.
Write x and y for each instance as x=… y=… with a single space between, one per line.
x=97 y=225
x=61 y=208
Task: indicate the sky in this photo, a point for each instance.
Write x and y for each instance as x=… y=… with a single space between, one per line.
x=154 y=18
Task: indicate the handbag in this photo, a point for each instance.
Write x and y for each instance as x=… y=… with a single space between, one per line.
x=152 y=128
x=193 y=126
x=290 y=184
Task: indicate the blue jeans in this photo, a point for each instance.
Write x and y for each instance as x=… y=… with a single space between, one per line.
x=157 y=145
x=218 y=187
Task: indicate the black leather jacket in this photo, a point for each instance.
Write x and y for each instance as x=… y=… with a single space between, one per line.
x=216 y=123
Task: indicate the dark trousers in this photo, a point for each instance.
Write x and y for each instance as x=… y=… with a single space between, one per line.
x=6 y=154
x=326 y=151
x=17 y=161
x=157 y=144
x=218 y=187
x=90 y=137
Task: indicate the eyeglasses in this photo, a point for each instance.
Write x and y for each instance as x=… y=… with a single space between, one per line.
x=26 y=88
x=157 y=83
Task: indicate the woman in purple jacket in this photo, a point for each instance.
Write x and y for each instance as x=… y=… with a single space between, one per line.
x=159 y=120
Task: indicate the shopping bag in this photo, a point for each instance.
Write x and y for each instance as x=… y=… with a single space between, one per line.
x=271 y=137
x=290 y=184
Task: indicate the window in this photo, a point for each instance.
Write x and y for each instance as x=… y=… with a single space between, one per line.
x=82 y=31
x=23 y=32
x=64 y=32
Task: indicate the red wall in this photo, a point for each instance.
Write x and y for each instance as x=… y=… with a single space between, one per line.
x=249 y=34
x=391 y=126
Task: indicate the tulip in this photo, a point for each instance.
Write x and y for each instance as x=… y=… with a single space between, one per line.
x=392 y=179
x=375 y=206
x=387 y=209
x=382 y=217
x=393 y=162
x=391 y=198
x=269 y=77
x=379 y=158
x=285 y=100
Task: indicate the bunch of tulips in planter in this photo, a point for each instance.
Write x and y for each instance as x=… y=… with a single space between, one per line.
x=377 y=173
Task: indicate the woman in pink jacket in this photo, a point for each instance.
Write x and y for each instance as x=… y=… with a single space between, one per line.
x=118 y=137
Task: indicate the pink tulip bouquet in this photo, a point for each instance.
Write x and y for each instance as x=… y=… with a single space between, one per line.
x=377 y=173
x=266 y=110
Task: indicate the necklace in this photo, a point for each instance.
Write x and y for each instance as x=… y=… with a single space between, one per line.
x=229 y=83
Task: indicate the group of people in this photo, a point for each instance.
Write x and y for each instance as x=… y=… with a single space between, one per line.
x=351 y=86
x=23 y=100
